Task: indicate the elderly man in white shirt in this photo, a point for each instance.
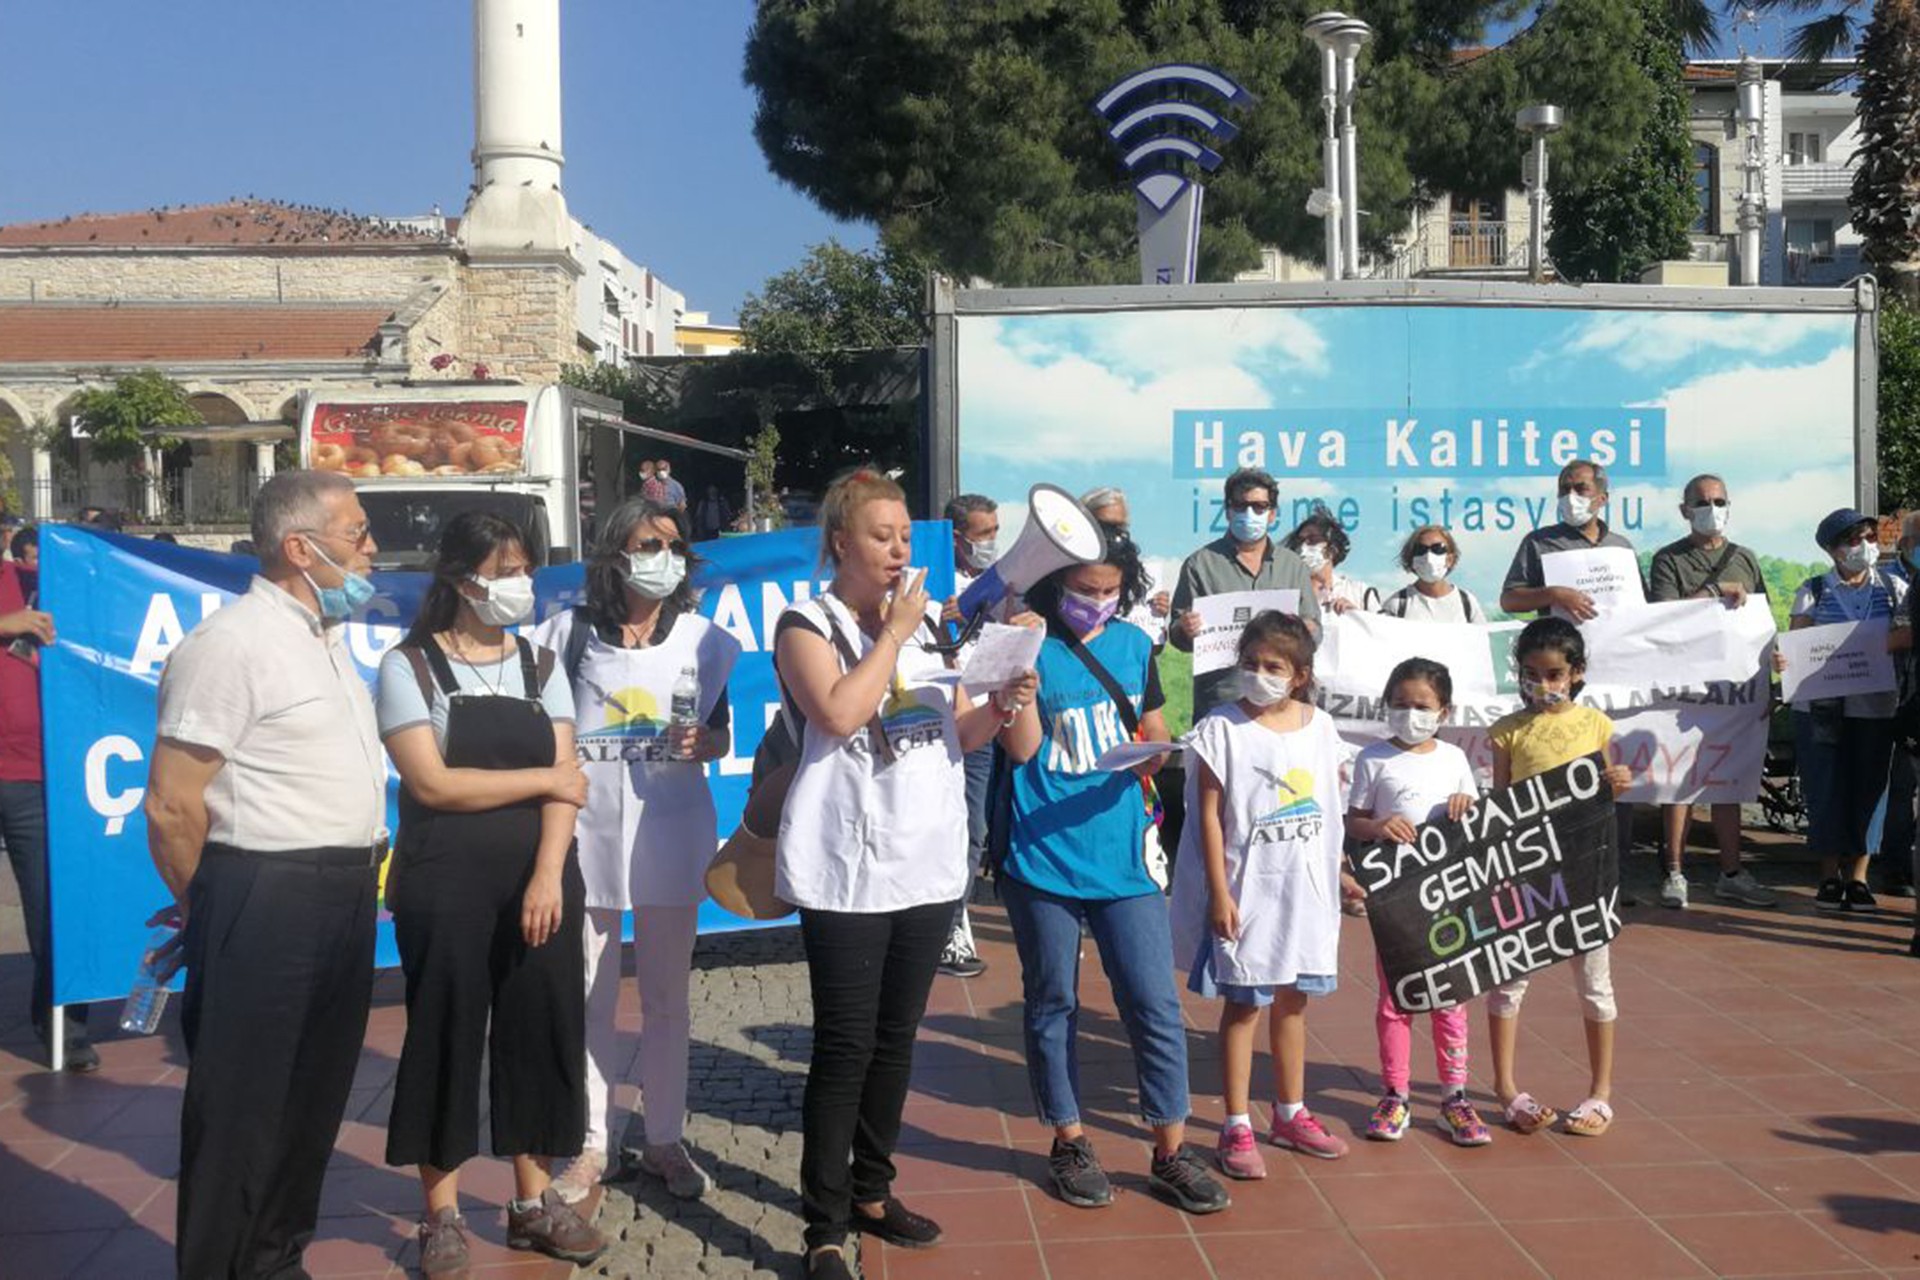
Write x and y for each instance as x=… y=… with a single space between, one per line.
x=266 y=808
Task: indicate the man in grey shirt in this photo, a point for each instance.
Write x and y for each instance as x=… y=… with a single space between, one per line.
x=1246 y=559
x=1704 y=565
x=1583 y=498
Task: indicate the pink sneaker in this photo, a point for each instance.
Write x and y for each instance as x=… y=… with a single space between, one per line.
x=1239 y=1154
x=1306 y=1135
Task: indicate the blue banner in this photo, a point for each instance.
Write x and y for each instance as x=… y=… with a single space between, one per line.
x=121 y=604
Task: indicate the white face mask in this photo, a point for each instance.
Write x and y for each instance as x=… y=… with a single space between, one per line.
x=1860 y=556
x=1576 y=509
x=1264 y=690
x=655 y=575
x=1412 y=725
x=1314 y=556
x=981 y=555
x=508 y=602
x=1707 y=519
x=1430 y=566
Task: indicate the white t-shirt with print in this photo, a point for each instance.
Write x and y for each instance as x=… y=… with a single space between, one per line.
x=1390 y=781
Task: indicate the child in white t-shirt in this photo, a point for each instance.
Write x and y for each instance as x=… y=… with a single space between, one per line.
x=1400 y=782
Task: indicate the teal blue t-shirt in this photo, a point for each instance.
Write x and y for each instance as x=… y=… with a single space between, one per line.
x=1077 y=833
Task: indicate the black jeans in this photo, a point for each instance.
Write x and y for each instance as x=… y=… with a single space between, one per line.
x=279 y=974
x=23 y=825
x=870 y=974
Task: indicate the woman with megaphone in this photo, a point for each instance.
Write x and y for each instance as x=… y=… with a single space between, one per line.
x=1076 y=854
x=872 y=848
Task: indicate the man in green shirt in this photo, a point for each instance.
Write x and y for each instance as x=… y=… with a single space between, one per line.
x=1704 y=565
x=1245 y=559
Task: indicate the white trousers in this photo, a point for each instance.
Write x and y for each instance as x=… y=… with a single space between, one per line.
x=663 y=958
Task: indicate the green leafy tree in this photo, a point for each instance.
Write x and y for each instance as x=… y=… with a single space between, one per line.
x=132 y=415
x=964 y=132
x=1886 y=187
x=1899 y=405
x=1636 y=213
x=839 y=299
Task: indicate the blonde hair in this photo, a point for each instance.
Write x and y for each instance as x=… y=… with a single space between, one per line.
x=844 y=497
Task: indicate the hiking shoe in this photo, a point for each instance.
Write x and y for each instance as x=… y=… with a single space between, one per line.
x=959 y=961
x=582 y=1174
x=1673 y=890
x=1859 y=897
x=443 y=1245
x=82 y=1059
x=1181 y=1179
x=829 y=1263
x=1741 y=887
x=1459 y=1121
x=1832 y=895
x=671 y=1164
x=1306 y=1135
x=1077 y=1174
x=899 y=1226
x=1239 y=1154
x=551 y=1227
x=1390 y=1119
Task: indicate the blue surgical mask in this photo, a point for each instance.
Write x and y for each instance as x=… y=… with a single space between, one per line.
x=1248 y=526
x=337 y=604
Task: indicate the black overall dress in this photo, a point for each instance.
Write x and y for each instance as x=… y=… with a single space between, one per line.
x=455 y=892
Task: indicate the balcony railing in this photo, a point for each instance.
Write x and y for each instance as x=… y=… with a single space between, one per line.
x=1816 y=181
x=1837 y=267
x=1466 y=247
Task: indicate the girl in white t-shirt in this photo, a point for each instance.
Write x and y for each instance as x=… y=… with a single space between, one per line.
x=1256 y=894
x=1400 y=782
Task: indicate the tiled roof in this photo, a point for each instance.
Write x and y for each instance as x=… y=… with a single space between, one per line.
x=237 y=222
x=90 y=333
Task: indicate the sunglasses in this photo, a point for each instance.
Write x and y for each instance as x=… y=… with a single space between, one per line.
x=1434 y=548
x=1258 y=508
x=653 y=546
x=1713 y=502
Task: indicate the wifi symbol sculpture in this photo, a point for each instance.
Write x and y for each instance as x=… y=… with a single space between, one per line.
x=1155 y=138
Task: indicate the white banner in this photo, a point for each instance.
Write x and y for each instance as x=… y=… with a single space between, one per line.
x=1836 y=660
x=1685 y=684
x=1223 y=617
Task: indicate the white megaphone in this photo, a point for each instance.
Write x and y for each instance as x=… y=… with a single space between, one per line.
x=1059 y=532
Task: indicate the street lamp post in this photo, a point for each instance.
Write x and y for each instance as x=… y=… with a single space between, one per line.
x=1752 y=215
x=1537 y=122
x=1327 y=202
x=1348 y=38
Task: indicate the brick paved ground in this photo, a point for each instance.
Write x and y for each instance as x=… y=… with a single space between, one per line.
x=1769 y=1124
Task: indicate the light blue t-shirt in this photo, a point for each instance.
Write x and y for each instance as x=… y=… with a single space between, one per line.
x=399 y=703
x=1078 y=833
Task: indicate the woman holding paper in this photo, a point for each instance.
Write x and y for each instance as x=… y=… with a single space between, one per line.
x=872 y=848
x=1075 y=854
x=1322 y=546
x=1843 y=746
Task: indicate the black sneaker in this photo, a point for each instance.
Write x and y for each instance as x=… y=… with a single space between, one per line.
x=956 y=962
x=829 y=1264
x=1859 y=897
x=1077 y=1174
x=1913 y=948
x=899 y=1226
x=1182 y=1179
x=1832 y=895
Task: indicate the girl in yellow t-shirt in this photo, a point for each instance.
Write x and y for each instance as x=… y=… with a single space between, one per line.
x=1551 y=730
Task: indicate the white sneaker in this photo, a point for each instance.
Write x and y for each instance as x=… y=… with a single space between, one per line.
x=1741 y=887
x=1673 y=893
x=671 y=1163
x=582 y=1174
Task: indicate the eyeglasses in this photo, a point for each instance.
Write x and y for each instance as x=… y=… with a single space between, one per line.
x=1258 y=508
x=1434 y=548
x=356 y=536
x=654 y=546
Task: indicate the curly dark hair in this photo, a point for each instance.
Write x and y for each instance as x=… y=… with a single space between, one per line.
x=607 y=570
x=1043 y=597
x=1322 y=521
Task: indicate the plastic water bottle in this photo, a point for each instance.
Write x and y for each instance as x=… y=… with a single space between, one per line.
x=686 y=709
x=148 y=999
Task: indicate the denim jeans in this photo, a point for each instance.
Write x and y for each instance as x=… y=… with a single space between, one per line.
x=1135 y=940
x=23 y=825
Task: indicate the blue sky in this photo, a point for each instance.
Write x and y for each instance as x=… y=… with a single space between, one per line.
x=367 y=105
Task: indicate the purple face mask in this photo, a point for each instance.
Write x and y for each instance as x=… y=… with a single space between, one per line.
x=1085 y=614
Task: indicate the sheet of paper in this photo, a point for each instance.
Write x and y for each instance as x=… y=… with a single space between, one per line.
x=1836 y=660
x=1125 y=755
x=999 y=654
x=1159 y=578
x=1225 y=616
x=1610 y=575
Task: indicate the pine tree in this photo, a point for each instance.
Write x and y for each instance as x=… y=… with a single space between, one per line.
x=1637 y=213
x=1886 y=187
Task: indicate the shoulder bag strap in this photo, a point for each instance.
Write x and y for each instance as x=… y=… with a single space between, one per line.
x=1129 y=718
x=1720 y=567
x=876 y=731
x=578 y=636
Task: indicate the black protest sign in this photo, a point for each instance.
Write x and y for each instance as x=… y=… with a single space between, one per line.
x=1526 y=878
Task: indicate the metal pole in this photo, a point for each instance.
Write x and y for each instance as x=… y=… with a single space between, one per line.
x=1349 y=166
x=1537 y=213
x=1330 y=158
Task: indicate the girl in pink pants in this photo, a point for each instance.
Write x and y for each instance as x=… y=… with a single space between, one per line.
x=1409 y=778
